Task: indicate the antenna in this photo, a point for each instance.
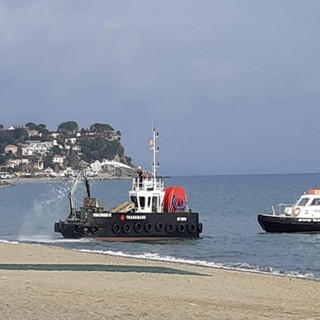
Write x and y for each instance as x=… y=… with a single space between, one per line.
x=155 y=150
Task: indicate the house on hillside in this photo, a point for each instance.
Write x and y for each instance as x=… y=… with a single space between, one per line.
x=58 y=159
x=13 y=163
x=13 y=128
x=76 y=148
x=11 y=148
x=39 y=165
x=49 y=172
x=96 y=166
x=34 y=133
x=55 y=135
x=70 y=140
x=37 y=147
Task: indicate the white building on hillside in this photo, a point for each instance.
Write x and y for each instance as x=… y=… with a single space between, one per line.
x=11 y=148
x=37 y=147
x=96 y=166
x=58 y=159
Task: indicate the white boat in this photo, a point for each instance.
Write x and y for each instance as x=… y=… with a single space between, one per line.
x=302 y=216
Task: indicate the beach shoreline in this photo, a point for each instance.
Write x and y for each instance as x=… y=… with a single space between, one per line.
x=135 y=293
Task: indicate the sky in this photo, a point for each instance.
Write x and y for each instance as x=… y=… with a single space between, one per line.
x=232 y=86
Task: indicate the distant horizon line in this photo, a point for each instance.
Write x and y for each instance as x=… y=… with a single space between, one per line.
x=238 y=174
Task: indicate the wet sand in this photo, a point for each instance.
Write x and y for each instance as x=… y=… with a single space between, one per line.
x=141 y=289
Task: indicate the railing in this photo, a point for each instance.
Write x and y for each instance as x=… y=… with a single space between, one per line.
x=283 y=208
x=147 y=184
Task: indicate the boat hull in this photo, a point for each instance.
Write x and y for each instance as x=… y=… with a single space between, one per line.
x=124 y=226
x=286 y=224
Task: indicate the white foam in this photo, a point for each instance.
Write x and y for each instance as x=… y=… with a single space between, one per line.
x=243 y=267
x=9 y=242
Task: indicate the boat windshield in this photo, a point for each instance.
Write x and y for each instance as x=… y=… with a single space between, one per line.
x=315 y=202
x=303 y=202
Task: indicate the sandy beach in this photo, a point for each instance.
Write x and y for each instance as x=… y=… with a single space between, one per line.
x=141 y=289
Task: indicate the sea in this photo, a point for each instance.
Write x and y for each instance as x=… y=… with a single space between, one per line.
x=228 y=207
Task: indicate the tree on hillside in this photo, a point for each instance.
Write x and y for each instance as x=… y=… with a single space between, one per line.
x=47 y=162
x=84 y=131
x=69 y=127
x=72 y=160
x=2 y=160
x=43 y=130
x=128 y=160
x=20 y=134
x=31 y=126
x=1 y=127
x=6 y=137
x=57 y=150
x=98 y=148
x=100 y=127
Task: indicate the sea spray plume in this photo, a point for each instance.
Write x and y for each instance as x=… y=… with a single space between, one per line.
x=48 y=205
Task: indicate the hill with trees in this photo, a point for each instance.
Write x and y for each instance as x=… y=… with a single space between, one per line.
x=34 y=148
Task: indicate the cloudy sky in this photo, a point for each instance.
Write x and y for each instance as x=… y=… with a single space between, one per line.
x=233 y=86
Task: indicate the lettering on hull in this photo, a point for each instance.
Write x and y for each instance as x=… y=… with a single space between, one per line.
x=136 y=217
x=102 y=215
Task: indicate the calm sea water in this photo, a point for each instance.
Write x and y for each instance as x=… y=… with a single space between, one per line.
x=228 y=207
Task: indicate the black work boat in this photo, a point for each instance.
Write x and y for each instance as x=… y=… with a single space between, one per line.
x=152 y=211
x=301 y=217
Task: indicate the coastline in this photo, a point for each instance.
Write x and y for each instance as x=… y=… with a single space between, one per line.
x=14 y=181
x=188 y=292
x=23 y=180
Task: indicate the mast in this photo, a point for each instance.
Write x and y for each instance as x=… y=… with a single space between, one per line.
x=155 y=150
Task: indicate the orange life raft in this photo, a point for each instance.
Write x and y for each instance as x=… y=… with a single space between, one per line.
x=314 y=191
x=175 y=199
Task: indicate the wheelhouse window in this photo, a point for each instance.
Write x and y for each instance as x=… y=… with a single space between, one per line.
x=154 y=203
x=315 y=202
x=142 y=201
x=134 y=200
x=303 y=202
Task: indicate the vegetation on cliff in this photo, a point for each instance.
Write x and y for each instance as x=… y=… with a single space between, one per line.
x=24 y=147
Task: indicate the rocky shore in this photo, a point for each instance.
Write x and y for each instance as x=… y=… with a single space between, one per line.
x=5 y=183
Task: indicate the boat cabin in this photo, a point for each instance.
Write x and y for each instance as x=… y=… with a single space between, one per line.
x=307 y=206
x=147 y=194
